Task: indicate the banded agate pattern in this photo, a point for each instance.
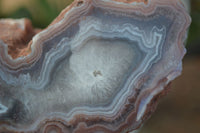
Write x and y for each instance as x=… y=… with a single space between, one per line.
x=99 y=67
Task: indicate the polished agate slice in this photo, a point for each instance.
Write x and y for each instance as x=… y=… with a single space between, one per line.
x=100 y=67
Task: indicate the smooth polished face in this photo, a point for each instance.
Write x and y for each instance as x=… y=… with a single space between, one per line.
x=97 y=68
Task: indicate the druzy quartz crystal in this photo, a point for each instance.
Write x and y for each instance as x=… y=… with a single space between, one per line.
x=99 y=67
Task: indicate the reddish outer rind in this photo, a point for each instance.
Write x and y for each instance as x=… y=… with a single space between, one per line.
x=16 y=38
x=79 y=2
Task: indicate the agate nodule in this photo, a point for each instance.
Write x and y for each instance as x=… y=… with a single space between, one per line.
x=100 y=67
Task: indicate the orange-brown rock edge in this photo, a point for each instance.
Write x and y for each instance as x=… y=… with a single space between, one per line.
x=17 y=33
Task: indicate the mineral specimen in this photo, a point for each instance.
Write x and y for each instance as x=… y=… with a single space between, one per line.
x=100 y=67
